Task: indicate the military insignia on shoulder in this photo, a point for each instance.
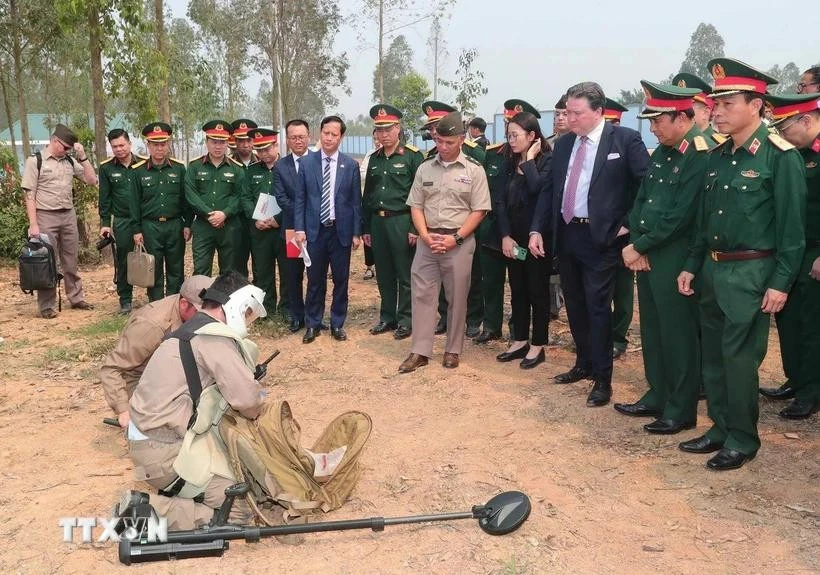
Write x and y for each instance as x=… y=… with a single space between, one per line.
x=177 y=161
x=700 y=143
x=719 y=138
x=235 y=161
x=754 y=146
x=470 y=143
x=141 y=157
x=411 y=147
x=684 y=145
x=105 y=161
x=495 y=146
x=138 y=164
x=473 y=160
x=779 y=142
x=197 y=159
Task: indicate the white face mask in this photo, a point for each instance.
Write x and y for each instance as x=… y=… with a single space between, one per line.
x=243 y=307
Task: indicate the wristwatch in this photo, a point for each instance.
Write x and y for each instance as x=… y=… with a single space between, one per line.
x=459 y=240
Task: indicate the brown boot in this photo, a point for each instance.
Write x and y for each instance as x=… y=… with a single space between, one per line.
x=450 y=360
x=412 y=363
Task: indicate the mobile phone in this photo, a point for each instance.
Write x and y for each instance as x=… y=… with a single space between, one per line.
x=520 y=253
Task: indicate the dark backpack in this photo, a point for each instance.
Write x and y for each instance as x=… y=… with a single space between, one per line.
x=38 y=266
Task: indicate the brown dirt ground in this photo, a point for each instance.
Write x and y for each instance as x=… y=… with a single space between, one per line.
x=607 y=497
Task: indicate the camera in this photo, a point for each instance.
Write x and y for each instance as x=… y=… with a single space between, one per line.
x=105 y=241
x=426 y=136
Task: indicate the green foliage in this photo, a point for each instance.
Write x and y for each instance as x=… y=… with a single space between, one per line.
x=468 y=84
x=396 y=63
x=104 y=327
x=413 y=91
x=788 y=76
x=13 y=219
x=630 y=97
x=704 y=45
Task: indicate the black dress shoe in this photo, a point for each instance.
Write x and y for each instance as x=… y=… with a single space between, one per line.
x=799 y=409
x=382 y=327
x=618 y=351
x=600 y=395
x=667 y=426
x=310 y=334
x=295 y=325
x=125 y=308
x=531 y=363
x=441 y=327
x=728 y=459
x=338 y=333
x=637 y=410
x=571 y=376
x=700 y=444
x=519 y=353
x=486 y=336
x=472 y=331
x=785 y=391
x=402 y=332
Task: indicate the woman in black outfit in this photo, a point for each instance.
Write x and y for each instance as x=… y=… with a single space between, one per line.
x=528 y=161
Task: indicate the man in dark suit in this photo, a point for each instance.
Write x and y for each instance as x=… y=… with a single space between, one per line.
x=327 y=215
x=588 y=197
x=285 y=183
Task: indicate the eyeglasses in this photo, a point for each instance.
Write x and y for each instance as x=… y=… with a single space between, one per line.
x=803 y=85
x=512 y=136
x=785 y=127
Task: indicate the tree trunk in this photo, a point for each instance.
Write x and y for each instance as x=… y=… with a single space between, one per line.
x=159 y=34
x=97 y=92
x=7 y=108
x=17 y=57
x=381 y=51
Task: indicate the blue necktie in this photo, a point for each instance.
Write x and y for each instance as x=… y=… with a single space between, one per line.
x=324 y=212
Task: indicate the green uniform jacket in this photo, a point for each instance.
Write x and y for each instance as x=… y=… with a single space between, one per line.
x=667 y=200
x=159 y=192
x=470 y=149
x=388 y=180
x=115 y=189
x=754 y=199
x=811 y=159
x=211 y=188
x=259 y=180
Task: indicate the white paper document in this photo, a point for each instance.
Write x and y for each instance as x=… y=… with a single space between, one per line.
x=266 y=207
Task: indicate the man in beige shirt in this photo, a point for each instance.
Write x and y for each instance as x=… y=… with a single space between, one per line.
x=47 y=183
x=163 y=402
x=141 y=336
x=448 y=200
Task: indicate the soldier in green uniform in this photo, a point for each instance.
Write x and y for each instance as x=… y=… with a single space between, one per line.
x=244 y=154
x=702 y=106
x=661 y=224
x=435 y=111
x=623 y=299
x=798 y=120
x=214 y=187
x=386 y=218
x=747 y=250
x=266 y=241
x=161 y=217
x=115 y=194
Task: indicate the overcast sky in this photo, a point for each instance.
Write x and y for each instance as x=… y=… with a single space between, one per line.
x=534 y=50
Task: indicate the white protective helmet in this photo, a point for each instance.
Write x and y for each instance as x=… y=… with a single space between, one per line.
x=243 y=307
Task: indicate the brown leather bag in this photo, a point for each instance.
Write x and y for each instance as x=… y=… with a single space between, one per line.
x=140 y=268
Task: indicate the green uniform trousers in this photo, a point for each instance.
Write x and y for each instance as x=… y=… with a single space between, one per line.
x=208 y=240
x=124 y=236
x=670 y=336
x=798 y=326
x=393 y=258
x=165 y=242
x=268 y=254
x=622 y=305
x=493 y=275
x=242 y=252
x=734 y=337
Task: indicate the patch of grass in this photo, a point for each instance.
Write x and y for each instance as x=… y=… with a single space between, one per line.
x=59 y=354
x=106 y=326
x=513 y=566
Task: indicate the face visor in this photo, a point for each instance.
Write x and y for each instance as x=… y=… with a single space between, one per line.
x=243 y=307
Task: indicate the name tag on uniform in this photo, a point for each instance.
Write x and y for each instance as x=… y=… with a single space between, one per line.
x=115 y=175
x=398 y=165
x=173 y=176
x=202 y=173
x=427 y=183
x=147 y=178
x=229 y=174
x=464 y=179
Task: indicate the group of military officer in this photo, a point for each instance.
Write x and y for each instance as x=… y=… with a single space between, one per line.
x=160 y=203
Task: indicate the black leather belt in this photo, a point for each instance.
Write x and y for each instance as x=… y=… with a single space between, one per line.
x=579 y=221
x=329 y=223
x=448 y=231
x=160 y=219
x=740 y=256
x=390 y=214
